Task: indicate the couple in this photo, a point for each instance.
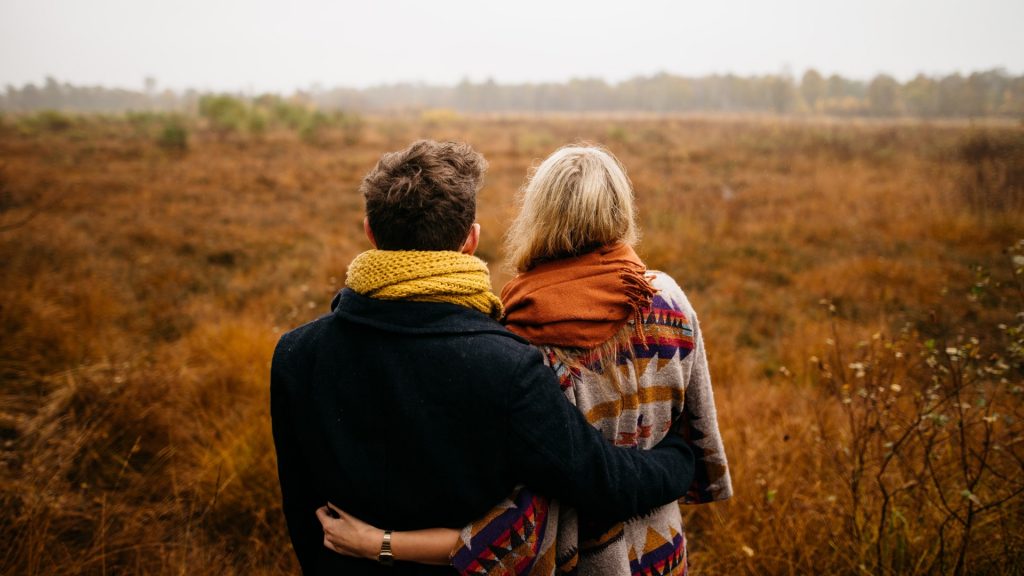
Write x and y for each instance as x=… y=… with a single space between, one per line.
x=424 y=426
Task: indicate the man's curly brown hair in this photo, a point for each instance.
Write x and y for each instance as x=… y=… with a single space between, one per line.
x=424 y=197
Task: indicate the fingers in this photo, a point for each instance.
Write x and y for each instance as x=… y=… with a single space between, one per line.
x=323 y=515
x=338 y=528
x=339 y=511
x=330 y=545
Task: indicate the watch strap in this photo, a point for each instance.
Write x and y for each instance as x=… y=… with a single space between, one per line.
x=385 y=556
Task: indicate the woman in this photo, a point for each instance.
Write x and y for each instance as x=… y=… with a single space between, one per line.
x=627 y=349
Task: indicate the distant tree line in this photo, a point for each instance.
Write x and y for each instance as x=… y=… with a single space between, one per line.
x=992 y=93
x=54 y=95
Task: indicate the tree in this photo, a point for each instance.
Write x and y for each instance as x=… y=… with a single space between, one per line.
x=884 y=96
x=812 y=88
x=783 y=94
x=951 y=95
x=920 y=96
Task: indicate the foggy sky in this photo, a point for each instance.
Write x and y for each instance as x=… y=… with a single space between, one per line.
x=258 y=45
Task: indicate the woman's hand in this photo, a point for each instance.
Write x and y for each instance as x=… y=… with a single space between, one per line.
x=348 y=535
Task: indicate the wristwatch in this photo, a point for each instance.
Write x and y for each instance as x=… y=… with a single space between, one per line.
x=385 y=556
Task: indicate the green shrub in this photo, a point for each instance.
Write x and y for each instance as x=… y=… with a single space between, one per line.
x=313 y=128
x=225 y=114
x=48 y=121
x=143 y=119
x=257 y=122
x=174 y=135
x=618 y=134
x=290 y=115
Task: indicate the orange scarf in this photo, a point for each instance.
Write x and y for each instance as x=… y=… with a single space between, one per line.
x=580 y=301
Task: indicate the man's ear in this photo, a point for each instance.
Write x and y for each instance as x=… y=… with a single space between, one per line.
x=369 y=232
x=472 y=240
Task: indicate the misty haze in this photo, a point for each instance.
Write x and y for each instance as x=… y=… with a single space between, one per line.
x=837 y=187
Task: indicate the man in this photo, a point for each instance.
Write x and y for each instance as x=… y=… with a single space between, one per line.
x=410 y=406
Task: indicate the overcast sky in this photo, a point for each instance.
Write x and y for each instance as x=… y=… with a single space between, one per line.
x=262 y=45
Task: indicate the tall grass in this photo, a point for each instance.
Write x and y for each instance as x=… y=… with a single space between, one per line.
x=142 y=293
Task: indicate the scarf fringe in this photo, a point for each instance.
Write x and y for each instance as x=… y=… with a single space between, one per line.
x=638 y=288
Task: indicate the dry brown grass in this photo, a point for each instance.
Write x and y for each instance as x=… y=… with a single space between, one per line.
x=143 y=289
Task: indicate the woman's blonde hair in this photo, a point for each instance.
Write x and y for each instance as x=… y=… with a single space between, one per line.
x=579 y=198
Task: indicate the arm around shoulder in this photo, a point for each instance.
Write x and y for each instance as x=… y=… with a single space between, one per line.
x=561 y=455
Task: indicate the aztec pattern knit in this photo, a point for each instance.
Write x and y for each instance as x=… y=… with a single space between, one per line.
x=425 y=276
x=658 y=385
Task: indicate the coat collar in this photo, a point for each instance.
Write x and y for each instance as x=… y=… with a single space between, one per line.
x=408 y=317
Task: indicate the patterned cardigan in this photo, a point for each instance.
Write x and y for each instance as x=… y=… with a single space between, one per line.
x=657 y=385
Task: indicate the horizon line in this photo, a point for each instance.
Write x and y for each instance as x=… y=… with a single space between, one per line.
x=321 y=86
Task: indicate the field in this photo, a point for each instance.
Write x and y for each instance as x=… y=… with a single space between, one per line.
x=860 y=287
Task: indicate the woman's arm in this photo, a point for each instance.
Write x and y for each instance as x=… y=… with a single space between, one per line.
x=350 y=536
x=698 y=423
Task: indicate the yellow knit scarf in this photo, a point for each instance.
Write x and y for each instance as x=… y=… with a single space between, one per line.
x=425 y=276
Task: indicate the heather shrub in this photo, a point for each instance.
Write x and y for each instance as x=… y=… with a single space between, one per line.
x=224 y=114
x=173 y=134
